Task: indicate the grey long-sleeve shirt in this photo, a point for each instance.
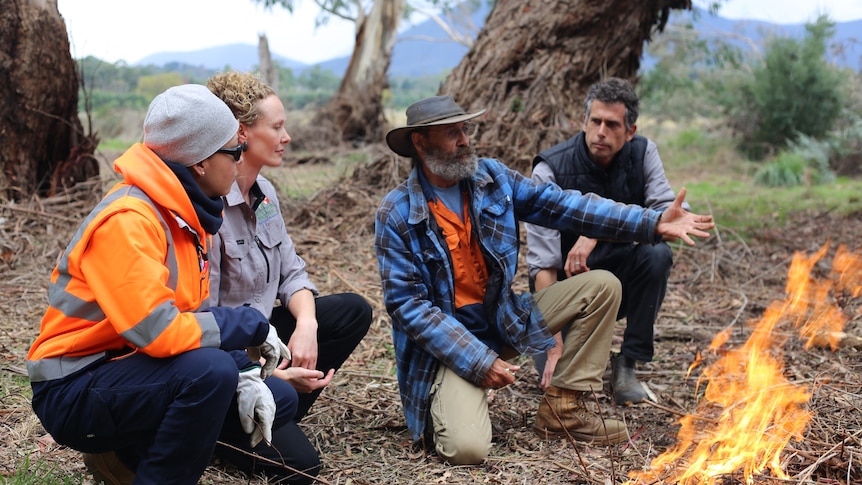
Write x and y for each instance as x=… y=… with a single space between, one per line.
x=253 y=260
x=543 y=244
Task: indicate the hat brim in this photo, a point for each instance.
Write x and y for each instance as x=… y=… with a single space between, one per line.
x=398 y=139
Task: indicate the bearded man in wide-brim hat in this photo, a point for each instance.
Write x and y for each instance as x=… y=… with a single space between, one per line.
x=447 y=245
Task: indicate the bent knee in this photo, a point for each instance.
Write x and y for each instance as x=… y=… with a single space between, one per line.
x=356 y=309
x=464 y=449
x=213 y=366
x=658 y=257
x=362 y=308
x=606 y=281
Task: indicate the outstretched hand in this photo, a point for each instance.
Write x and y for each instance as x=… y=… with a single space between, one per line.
x=677 y=223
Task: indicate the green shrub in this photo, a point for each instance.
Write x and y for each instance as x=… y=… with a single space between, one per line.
x=793 y=91
x=816 y=154
x=789 y=169
x=688 y=138
x=691 y=71
x=845 y=142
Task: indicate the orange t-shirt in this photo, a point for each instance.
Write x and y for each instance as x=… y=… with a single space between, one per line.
x=468 y=263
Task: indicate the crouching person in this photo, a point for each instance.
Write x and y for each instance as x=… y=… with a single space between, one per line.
x=129 y=367
x=447 y=242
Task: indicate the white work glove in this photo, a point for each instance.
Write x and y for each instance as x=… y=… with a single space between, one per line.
x=272 y=350
x=256 y=406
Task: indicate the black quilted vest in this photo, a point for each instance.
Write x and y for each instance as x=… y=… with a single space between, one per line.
x=573 y=169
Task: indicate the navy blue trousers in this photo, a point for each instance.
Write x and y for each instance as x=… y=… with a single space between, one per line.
x=161 y=416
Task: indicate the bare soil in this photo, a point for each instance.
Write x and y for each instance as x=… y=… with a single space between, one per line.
x=357 y=424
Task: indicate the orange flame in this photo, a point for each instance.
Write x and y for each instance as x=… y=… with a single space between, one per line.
x=750 y=410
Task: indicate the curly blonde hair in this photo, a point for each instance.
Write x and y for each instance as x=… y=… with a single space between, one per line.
x=241 y=91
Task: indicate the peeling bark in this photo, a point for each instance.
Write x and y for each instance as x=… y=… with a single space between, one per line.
x=355 y=113
x=44 y=148
x=534 y=60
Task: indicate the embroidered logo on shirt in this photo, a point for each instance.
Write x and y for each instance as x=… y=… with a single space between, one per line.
x=265 y=210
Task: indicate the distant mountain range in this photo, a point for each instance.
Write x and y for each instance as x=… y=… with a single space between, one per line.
x=414 y=56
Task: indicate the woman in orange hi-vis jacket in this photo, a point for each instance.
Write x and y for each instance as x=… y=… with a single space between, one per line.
x=129 y=366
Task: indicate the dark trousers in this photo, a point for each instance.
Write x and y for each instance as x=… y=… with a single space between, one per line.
x=343 y=320
x=290 y=451
x=161 y=416
x=643 y=270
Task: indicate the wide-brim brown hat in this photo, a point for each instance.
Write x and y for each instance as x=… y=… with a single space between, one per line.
x=436 y=110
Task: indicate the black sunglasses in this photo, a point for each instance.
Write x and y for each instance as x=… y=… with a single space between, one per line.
x=235 y=152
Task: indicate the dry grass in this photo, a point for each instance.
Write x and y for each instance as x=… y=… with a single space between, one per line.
x=357 y=423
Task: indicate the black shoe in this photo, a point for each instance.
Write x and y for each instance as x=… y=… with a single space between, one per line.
x=627 y=389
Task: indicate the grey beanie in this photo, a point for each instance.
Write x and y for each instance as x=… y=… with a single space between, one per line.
x=187 y=124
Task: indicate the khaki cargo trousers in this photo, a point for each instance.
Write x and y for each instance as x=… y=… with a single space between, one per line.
x=590 y=301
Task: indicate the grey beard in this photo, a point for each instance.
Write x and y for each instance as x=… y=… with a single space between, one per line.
x=460 y=167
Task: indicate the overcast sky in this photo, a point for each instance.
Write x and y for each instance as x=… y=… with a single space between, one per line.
x=114 y=30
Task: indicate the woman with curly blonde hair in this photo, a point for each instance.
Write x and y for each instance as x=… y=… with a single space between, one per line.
x=254 y=263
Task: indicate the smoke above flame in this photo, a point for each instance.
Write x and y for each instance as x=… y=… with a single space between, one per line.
x=750 y=410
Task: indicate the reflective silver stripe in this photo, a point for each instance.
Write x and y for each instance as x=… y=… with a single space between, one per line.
x=59 y=367
x=210 y=331
x=73 y=307
x=66 y=303
x=70 y=305
x=149 y=329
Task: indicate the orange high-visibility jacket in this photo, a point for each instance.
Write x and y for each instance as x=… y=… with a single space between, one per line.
x=133 y=276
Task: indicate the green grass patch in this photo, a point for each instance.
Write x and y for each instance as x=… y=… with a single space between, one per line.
x=722 y=182
x=40 y=473
x=114 y=144
x=747 y=208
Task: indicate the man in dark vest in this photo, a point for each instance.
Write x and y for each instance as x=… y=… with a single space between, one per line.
x=608 y=159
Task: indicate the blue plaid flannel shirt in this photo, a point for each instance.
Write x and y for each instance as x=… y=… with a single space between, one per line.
x=418 y=285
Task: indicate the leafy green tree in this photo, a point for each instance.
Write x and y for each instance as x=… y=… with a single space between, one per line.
x=793 y=91
x=691 y=71
x=150 y=86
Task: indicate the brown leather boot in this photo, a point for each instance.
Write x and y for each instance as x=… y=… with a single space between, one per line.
x=108 y=469
x=563 y=410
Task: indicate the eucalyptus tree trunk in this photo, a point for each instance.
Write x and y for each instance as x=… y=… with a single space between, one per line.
x=264 y=63
x=534 y=60
x=43 y=148
x=356 y=110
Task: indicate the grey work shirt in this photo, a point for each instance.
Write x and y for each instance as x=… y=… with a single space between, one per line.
x=543 y=244
x=253 y=260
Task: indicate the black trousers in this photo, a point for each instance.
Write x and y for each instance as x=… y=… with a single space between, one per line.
x=643 y=270
x=343 y=320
